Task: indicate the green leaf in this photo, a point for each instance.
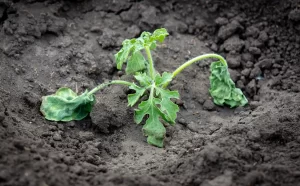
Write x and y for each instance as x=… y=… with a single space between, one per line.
x=139 y=92
x=153 y=128
x=223 y=89
x=166 y=105
x=123 y=54
x=136 y=63
x=138 y=45
x=131 y=46
x=159 y=35
x=66 y=105
x=237 y=97
x=165 y=78
x=158 y=106
x=143 y=79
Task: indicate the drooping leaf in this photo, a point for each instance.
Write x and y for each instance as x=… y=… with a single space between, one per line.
x=237 y=97
x=131 y=46
x=153 y=129
x=136 y=63
x=124 y=52
x=223 y=89
x=159 y=35
x=66 y=105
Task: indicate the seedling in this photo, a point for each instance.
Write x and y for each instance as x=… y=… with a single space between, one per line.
x=158 y=109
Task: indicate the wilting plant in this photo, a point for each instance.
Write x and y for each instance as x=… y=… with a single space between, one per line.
x=159 y=107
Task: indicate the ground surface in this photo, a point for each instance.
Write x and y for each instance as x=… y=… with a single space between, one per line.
x=48 y=44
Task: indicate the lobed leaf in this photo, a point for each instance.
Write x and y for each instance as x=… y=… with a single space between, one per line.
x=158 y=106
x=133 y=98
x=66 y=105
x=165 y=78
x=153 y=129
x=223 y=89
x=169 y=108
x=159 y=35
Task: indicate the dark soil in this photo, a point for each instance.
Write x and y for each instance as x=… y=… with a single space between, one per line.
x=48 y=44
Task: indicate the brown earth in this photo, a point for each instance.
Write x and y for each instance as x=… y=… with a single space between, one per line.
x=49 y=44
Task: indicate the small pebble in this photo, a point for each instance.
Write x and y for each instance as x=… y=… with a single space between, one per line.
x=95 y=29
x=57 y=137
x=209 y=105
x=182 y=121
x=71 y=124
x=254 y=104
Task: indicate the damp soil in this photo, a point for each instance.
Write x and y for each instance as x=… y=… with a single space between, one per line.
x=49 y=44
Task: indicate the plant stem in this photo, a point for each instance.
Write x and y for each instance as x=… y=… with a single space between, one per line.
x=151 y=65
x=198 y=58
x=194 y=60
x=152 y=91
x=103 y=85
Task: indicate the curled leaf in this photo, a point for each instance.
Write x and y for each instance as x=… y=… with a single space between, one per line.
x=130 y=51
x=123 y=54
x=223 y=89
x=159 y=35
x=136 y=63
x=66 y=105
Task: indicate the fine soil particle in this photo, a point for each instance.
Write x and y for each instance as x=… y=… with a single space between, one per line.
x=48 y=44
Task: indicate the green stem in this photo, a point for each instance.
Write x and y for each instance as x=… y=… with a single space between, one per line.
x=103 y=85
x=194 y=60
x=198 y=58
x=151 y=65
x=152 y=91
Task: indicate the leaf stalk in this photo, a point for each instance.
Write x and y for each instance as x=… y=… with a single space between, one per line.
x=194 y=60
x=103 y=85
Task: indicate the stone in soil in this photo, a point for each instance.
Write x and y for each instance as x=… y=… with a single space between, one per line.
x=234 y=43
x=209 y=105
x=228 y=30
x=233 y=60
